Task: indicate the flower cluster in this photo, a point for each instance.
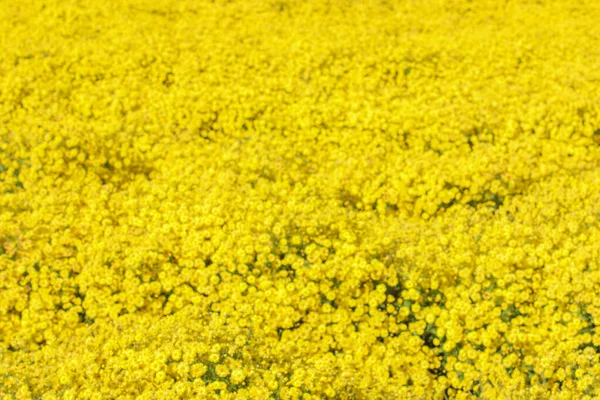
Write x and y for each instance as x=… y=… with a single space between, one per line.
x=325 y=199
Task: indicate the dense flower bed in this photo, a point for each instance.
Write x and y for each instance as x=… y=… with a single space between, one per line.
x=324 y=199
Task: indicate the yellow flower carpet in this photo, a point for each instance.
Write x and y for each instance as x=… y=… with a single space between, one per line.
x=287 y=199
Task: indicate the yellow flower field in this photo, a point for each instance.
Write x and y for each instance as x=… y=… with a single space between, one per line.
x=286 y=199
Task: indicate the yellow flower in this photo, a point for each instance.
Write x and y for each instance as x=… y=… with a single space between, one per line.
x=222 y=370
x=237 y=376
x=197 y=370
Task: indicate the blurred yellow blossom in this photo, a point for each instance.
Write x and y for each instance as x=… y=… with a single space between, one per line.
x=299 y=200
